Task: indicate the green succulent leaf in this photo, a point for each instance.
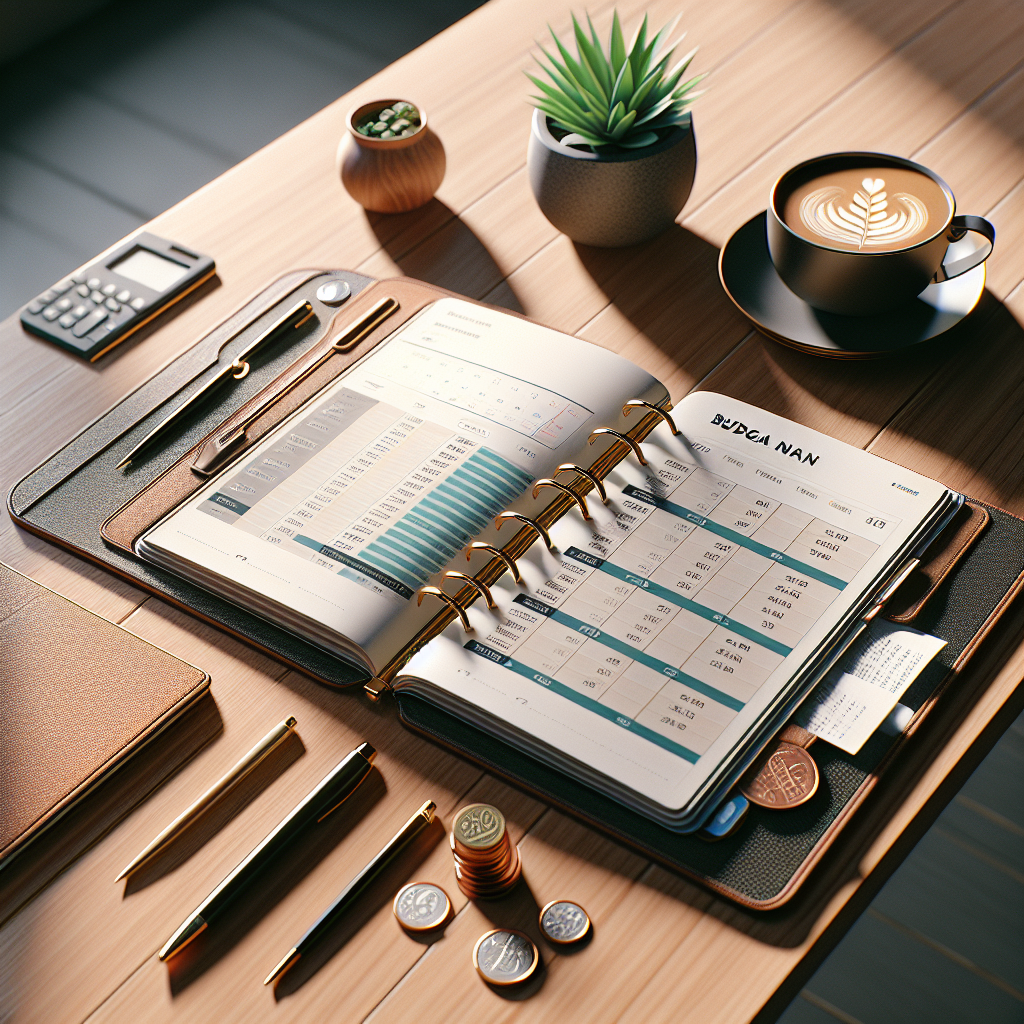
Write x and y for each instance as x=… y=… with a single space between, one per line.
x=613 y=94
x=617 y=46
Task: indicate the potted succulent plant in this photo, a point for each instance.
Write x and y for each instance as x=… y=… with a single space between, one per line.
x=612 y=153
x=389 y=160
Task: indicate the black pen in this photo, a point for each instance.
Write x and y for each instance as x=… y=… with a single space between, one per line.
x=327 y=797
x=295 y=317
x=323 y=924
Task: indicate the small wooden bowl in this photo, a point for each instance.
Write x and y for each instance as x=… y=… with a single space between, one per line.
x=390 y=175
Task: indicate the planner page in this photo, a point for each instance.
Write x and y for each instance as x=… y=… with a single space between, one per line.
x=331 y=524
x=668 y=623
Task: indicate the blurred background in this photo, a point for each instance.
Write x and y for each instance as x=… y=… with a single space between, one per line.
x=113 y=111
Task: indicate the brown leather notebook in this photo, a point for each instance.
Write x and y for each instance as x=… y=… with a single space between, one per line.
x=78 y=697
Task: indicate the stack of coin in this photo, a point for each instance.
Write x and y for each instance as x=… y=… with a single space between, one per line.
x=486 y=862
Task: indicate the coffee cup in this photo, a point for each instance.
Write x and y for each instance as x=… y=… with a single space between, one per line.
x=863 y=233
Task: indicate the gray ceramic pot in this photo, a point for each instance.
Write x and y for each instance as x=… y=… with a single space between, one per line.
x=614 y=198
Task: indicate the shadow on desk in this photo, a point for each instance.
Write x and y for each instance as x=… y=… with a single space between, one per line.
x=210 y=821
x=103 y=808
x=271 y=886
x=435 y=245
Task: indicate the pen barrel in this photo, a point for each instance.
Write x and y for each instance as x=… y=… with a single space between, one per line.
x=364 y=880
x=327 y=797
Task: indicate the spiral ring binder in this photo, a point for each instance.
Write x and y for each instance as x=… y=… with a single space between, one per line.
x=450 y=601
x=479 y=545
x=578 y=498
x=472 y=581
x=596 y=482
x=621 y=437
x=503 y=559
x=637 y=403
x=526 y=520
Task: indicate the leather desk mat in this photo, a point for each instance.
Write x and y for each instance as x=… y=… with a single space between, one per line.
x=72 y=495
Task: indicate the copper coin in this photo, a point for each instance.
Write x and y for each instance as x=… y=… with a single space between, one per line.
x=421 y=906
x=505 y=957
x=478 y=826
x=564 y=922
x=788 y=778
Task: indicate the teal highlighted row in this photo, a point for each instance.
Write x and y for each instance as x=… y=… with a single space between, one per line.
x=441 y=522
x=672 y=597
x=737 y=538
x=584 y=701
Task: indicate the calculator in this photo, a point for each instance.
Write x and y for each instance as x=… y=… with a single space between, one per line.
x=97 y=307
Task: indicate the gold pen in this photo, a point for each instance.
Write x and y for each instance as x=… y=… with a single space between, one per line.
x=405 y=835
x=219 y=789
x=294 y=317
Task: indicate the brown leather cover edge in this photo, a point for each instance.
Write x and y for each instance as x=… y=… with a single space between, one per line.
x=941 y=558
x=195 y=683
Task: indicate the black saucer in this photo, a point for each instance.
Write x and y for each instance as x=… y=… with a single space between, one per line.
x=750 y=280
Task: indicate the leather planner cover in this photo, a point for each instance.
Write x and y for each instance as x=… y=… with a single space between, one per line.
x=965 y=585
x=78 y=697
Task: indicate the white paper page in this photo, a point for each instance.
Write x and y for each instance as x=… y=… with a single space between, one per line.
x=657 y=637
x=859 y=694
x=344 y=511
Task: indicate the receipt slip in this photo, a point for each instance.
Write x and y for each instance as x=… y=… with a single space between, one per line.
x=857 y=696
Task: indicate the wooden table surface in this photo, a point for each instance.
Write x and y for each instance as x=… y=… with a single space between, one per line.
x=935 y=80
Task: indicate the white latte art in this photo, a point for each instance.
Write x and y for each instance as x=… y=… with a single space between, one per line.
x=868 y=219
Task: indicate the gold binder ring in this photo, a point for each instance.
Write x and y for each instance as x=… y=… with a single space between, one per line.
x=526 y=521
x=471 y=581
x=479 y=545
x=450 y=601
x=241 y=369
x=578 y=498
x=571 y=467
x=636 y=403
x=621 y=437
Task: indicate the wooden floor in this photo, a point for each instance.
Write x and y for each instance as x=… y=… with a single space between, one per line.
x=116 y=119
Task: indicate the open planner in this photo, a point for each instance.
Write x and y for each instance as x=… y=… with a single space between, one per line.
x=510 y=523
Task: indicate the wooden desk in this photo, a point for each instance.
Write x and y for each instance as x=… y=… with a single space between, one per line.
x=939 y=81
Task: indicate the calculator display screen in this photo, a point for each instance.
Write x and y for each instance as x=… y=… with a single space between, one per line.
x=149 y=269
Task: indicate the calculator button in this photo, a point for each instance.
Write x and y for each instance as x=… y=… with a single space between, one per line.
x=97 y=296
x=64 y=305
x=113 y=305
x=93 y=282
x=36 y=306
x=79 y=311
x=63 y=286
x=123 y=296
x=51 y=313
x=138 y=303
x=78 y=278
x=84 y=326
x=48 y=296
x=68 y=320
x=83 y=290
x=109 y=289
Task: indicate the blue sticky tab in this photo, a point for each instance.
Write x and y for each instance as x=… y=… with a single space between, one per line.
x=729 y=815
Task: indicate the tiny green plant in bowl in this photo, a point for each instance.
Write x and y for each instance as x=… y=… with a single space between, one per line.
x=615 y=95
x=398 y=121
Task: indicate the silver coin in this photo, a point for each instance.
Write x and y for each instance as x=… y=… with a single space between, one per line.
x=505 y=957
x=421 y=906
x=563 y=922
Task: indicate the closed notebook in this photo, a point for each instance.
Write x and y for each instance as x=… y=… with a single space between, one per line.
x=78 y=697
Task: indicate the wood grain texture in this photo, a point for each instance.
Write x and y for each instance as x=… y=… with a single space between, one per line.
x=940 y=82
